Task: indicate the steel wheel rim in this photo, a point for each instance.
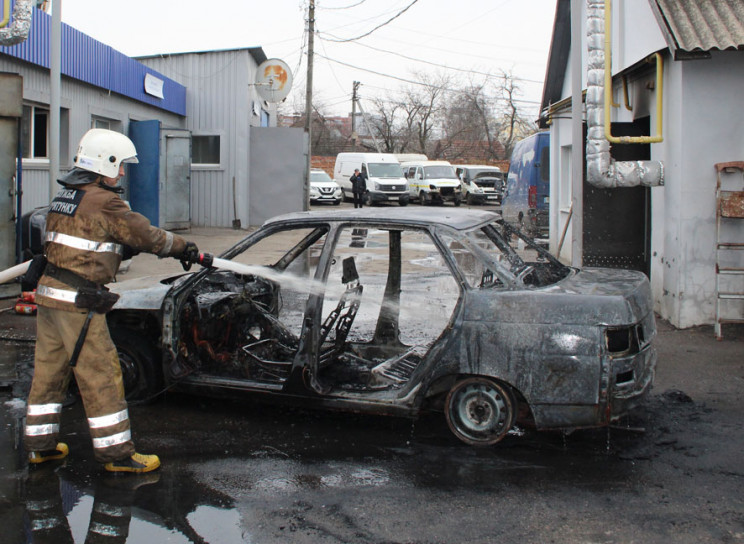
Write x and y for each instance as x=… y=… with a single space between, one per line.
x=479 y=412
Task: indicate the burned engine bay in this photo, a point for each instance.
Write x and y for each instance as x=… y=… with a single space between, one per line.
x=230 y=327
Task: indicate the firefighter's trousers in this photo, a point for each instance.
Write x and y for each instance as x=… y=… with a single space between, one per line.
x=98 y=376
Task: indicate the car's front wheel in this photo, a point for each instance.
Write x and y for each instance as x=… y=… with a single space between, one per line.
x=480 y=411
x=140 y=365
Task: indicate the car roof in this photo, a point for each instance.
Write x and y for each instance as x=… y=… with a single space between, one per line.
x=425 y=163
x=486 y=166
x=456 y=218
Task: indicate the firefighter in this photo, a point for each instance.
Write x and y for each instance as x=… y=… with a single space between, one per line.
x=88 y=228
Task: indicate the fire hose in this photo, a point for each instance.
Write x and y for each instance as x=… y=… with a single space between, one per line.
x=14 y=271
x=207 y=260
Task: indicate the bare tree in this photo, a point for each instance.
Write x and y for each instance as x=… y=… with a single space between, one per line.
x=427 y=105
x=483 y=119
x=513 y=124
x=385 y=123
x=327 y=136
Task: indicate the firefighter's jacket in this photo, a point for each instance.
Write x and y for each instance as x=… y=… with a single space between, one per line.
x=86 y=230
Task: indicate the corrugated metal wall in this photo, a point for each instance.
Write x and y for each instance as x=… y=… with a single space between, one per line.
x=218 y=101
x=93 y=62
x=80 y=101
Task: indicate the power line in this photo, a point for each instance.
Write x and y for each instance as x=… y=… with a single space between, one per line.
x=401 y=12
x=437 y=65
x=331 y=67
x=498 y=6
x=402 y=91
x=344 y=7
x=409 y=80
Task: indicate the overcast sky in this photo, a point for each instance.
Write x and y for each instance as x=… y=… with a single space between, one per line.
x=432 y=36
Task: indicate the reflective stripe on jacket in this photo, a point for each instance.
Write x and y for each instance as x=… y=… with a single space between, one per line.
x=86 y=228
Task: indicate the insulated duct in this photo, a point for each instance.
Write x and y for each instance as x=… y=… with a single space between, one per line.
x=17 y=32
x=601 y=170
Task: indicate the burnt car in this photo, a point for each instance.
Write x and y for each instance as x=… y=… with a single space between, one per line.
x=398 y=312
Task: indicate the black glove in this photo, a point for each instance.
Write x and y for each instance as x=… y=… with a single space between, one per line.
x=189 y=256
x=129 y=252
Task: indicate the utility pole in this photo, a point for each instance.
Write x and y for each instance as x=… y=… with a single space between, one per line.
x=309 y=100
x=369 y=129
x=55 y=70
x=353 y=114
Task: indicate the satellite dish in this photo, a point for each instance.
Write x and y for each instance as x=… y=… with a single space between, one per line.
x=273 y=80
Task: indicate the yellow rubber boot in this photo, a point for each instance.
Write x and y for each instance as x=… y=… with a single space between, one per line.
x=138 y=462
x=60 y=452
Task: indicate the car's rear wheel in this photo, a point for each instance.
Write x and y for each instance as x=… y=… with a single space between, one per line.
x=480 y=411
x=140 y=365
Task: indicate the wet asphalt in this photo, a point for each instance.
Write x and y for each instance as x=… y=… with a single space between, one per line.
x=254 y=471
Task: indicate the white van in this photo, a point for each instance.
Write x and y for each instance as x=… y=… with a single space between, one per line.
x=385 y=181
x=481 y=184
x=432 y=182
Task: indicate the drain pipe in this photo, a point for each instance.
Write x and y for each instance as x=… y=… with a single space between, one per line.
x=18 y=30
x=601 y=170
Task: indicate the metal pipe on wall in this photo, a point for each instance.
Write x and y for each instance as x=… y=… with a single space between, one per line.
x=577 y=136
x=601 y=170
x=19 y=28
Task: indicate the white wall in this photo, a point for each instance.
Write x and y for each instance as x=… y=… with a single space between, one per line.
x=703 y=124
x=706 y=112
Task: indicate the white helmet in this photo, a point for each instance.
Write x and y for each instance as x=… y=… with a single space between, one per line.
x=102 y=151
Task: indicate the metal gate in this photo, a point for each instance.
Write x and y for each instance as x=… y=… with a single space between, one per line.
x=617 y=222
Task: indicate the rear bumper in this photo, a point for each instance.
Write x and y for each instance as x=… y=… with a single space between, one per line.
x=632 y=379
x=627 y=383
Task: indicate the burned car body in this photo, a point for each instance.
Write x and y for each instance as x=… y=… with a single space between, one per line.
x=399 y=311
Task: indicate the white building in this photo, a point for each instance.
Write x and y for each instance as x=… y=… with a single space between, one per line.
x=667 y=230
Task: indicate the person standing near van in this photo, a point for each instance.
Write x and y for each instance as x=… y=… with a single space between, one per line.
x=358 y=187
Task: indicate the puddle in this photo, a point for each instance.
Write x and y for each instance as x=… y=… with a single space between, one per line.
x=11 y=355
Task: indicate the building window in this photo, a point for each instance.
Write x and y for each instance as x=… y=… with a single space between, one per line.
x=205 y=150
x=35 y=132
x=96 y=122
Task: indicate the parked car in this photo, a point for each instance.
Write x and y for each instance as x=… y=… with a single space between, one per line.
x=481 y=184
x=397 y=312
x=432 y=182
x=323 y=188
x=527 y=199
x=33 y=227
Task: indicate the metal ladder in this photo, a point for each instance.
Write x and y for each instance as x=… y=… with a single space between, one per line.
x=729 y=262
